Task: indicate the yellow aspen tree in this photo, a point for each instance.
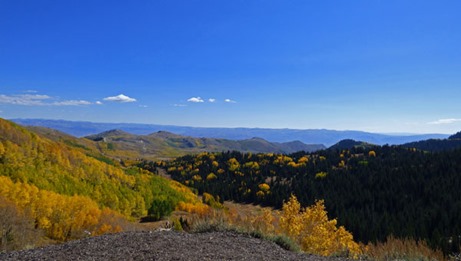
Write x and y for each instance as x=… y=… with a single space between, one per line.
x=264 y=221
x=264 y=187
x=233 y=164
x=211 y=176
x=2 y=149
x=290 y=220
x=314 y=232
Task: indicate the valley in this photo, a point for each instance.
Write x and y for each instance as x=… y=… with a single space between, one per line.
x=371 y=193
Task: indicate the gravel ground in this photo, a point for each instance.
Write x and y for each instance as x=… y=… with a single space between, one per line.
x=163 y=245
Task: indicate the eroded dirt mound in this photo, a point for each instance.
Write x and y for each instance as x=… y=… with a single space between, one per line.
x=163 y=245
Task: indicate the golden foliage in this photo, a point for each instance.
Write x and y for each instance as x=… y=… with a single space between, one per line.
x=264 y=187
x=260 y=194
x=253 y=165
x=321 y=175
x=211 y=176
x=342 y=164
x=215 y=164
x=303 y=159
x=282 y=160
x=197 y=177
x=200 y=209
x=54 y=166
x=61 y=217
x=211 y=201
x=314 y=232
x=233 y=164
x=70 y=191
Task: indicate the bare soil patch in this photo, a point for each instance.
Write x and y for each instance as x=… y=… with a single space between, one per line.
x=163 y=245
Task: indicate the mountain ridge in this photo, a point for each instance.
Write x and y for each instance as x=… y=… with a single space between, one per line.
x=167 y=143
x=308 y=136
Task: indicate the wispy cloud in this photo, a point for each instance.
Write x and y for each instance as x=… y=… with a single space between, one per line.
x=39 y=100
x=195 y=99
x=179 y=105
x=98 y=102
x=25 y=99
x=199 y=99
x=120 y=98
x=71 y=103
x=444 y=121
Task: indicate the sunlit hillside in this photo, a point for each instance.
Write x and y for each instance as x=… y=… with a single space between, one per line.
x=67 y=191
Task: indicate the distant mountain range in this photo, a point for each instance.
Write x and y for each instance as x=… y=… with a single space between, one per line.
x=118 y=144
x=169 y=144
x=308 y=136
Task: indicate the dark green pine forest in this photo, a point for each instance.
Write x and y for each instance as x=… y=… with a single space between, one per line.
x=374 y=191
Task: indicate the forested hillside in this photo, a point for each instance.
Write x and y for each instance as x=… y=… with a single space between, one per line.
x=435 y=145
x=164 y=144
x=374 y=192
x=64 y=190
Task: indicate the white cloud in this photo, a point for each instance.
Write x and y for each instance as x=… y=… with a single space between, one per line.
x=229 y=101
x=24 y=99
x=38 y=100
x=211 y=100
x=71 y=103
x=98 y=103
x=195 y=99
x=179 y=105
x=444 y=121
x=143 y=106
x=120 y=98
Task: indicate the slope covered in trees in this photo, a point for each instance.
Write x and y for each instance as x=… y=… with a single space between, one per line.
x=164 y=144
x=435 y=145
x=374 y=192
x=64 y=190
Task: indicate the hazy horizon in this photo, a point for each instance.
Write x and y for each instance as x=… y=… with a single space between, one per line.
x=386 y=67
x=236 y=127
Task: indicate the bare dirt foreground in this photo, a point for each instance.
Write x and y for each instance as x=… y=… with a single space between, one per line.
x=163 y=245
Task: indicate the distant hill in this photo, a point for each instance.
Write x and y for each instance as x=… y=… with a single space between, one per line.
x=436 y=145
x=166 y=144
x=349 y=144
x=309 y=136
x=456 y=136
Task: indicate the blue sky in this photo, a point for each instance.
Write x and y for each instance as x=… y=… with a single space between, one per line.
x=381 y=66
